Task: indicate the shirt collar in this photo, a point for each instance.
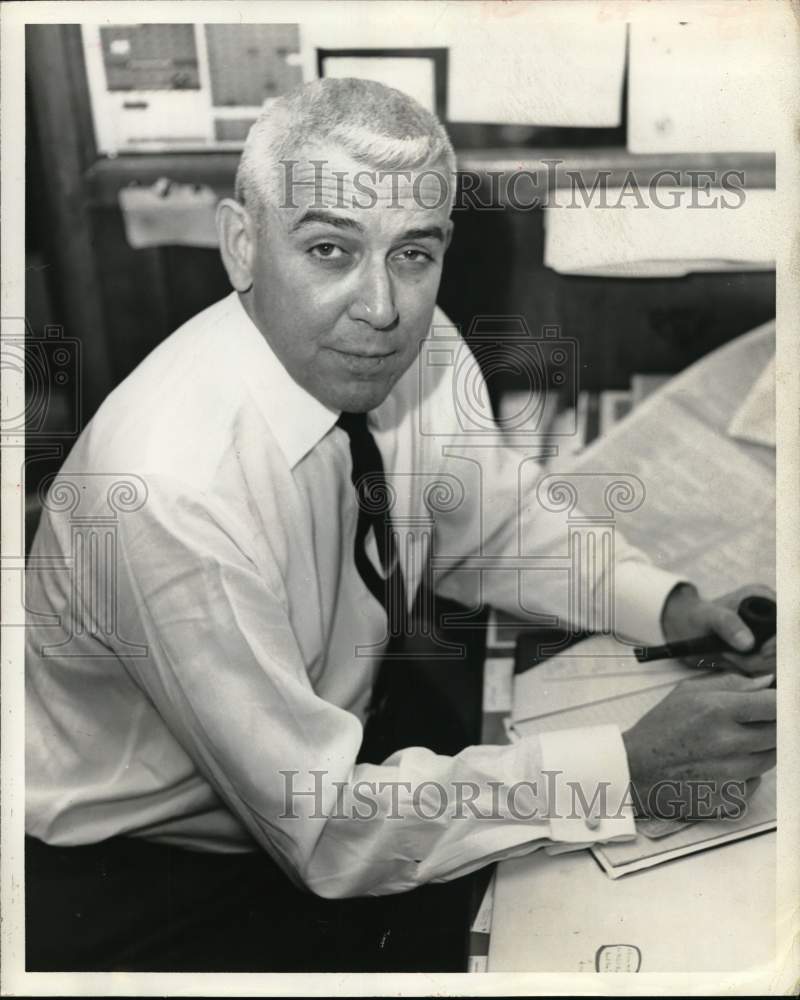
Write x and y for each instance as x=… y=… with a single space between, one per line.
x=297 y=420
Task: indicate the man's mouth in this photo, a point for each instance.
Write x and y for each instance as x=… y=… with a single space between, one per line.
x=363 y=354
x=363 y=362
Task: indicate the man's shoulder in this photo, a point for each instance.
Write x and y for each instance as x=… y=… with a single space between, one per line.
x=175 y=410
x=198 y=348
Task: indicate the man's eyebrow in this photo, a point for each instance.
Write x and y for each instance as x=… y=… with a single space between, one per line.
x=320 y=215
x=327 y=218
x=426 y=232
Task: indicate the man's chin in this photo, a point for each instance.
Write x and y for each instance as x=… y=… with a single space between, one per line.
x=360 y=397
x=359 y=392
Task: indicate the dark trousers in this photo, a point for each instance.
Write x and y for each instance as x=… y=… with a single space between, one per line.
x=129 y=905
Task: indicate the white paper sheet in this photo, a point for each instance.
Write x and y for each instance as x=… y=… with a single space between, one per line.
x=591 y=673
x=535 y=71
x=696 y=88
x=623 y=859
x=615 y=236
x=755 y=420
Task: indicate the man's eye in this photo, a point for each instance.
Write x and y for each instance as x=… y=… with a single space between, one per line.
x=413 y=256
x=327 y=251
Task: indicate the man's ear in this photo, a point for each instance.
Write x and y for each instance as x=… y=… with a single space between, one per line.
x=237 y=242
x=448 y=233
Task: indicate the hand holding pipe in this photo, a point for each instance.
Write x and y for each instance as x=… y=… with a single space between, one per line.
x=758 y=613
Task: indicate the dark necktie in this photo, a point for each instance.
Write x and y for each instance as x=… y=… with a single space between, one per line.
x=374 y=506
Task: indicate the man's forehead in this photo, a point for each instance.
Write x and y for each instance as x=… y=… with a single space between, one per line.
x=332 y=180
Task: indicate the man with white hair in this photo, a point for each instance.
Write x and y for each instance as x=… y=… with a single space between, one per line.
x=211 y=733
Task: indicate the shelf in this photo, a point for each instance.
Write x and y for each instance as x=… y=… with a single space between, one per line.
x=567 y=164
x=106 y=176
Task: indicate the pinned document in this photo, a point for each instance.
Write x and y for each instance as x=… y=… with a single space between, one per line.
x=695 y=88
x=614 y=235
x=512 y=65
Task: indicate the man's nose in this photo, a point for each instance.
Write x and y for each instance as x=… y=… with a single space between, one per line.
x=373 y=301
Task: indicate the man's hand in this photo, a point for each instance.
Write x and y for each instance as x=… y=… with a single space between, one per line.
x=704 y=747
x=687 y=616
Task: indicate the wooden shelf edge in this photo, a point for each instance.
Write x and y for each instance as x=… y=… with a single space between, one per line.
x=106 y=176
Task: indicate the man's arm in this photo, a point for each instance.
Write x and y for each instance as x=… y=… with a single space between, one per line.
x=225 y=673
x=534 y=572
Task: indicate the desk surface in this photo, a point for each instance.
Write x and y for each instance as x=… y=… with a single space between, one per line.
x=710 y=912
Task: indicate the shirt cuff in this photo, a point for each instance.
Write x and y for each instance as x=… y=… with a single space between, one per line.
x=640 y=591
x=587 y=781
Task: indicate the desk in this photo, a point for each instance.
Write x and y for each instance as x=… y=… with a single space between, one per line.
x=710 y=912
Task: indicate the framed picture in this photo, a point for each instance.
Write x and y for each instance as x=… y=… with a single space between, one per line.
x=421 y=73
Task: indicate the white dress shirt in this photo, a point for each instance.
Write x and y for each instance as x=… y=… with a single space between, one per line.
x=200 y=642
